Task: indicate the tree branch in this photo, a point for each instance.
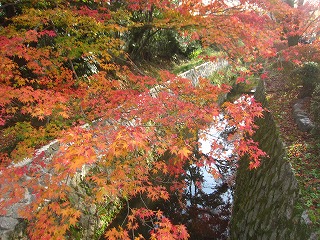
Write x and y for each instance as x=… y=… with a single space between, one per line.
x=73 y=70
x=9 y=4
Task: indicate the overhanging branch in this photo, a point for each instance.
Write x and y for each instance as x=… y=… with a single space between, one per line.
x=9 y=4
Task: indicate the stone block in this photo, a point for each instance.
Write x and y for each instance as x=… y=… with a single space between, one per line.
x=286 y=185
x=262 y=195
x=265 y=236
x=289 y=212
x=273 y=235
x=301 y=117
x=8 y=223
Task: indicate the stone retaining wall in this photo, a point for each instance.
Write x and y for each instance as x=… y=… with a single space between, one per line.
x=204 y=70
x=266 y=199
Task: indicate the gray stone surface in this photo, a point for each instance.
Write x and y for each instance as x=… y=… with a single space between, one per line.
x=305 y=218
x=204 y=70
x=301 y=117
x=8 y=222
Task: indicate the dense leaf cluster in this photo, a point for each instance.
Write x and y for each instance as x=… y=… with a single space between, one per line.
x=68 y=72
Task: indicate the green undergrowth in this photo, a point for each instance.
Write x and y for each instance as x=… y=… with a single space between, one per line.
x=196 y=58
x=304 y=157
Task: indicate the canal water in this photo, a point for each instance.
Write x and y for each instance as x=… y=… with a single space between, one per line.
x=207 y=208
x=206 y=203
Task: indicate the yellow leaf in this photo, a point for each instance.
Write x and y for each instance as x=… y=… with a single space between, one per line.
x=184 y=153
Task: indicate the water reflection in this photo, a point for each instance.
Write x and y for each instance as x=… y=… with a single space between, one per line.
x=206 y=216
x=206 y=209
x=205 y=205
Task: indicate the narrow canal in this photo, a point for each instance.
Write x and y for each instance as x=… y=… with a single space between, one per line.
x=206 y=203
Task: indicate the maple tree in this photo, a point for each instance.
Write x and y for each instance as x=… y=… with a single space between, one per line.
x=299 y=21
x=66 y=74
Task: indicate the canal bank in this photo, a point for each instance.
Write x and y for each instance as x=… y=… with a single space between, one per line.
x=266 y=200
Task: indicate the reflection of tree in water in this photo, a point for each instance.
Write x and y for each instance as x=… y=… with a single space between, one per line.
x=205 y=206
x=209 y=218
x=205 y=211
x=206 y=215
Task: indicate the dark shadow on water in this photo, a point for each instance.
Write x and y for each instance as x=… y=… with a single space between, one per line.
x=206 y=214
x=204 y=207
x=204 y=211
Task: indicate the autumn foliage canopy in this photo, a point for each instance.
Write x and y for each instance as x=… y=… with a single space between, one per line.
x=67 y=72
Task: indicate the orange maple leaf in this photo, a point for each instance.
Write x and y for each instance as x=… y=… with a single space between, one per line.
x=184 y=153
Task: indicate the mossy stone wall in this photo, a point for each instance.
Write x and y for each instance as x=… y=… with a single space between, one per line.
x=266 y=199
